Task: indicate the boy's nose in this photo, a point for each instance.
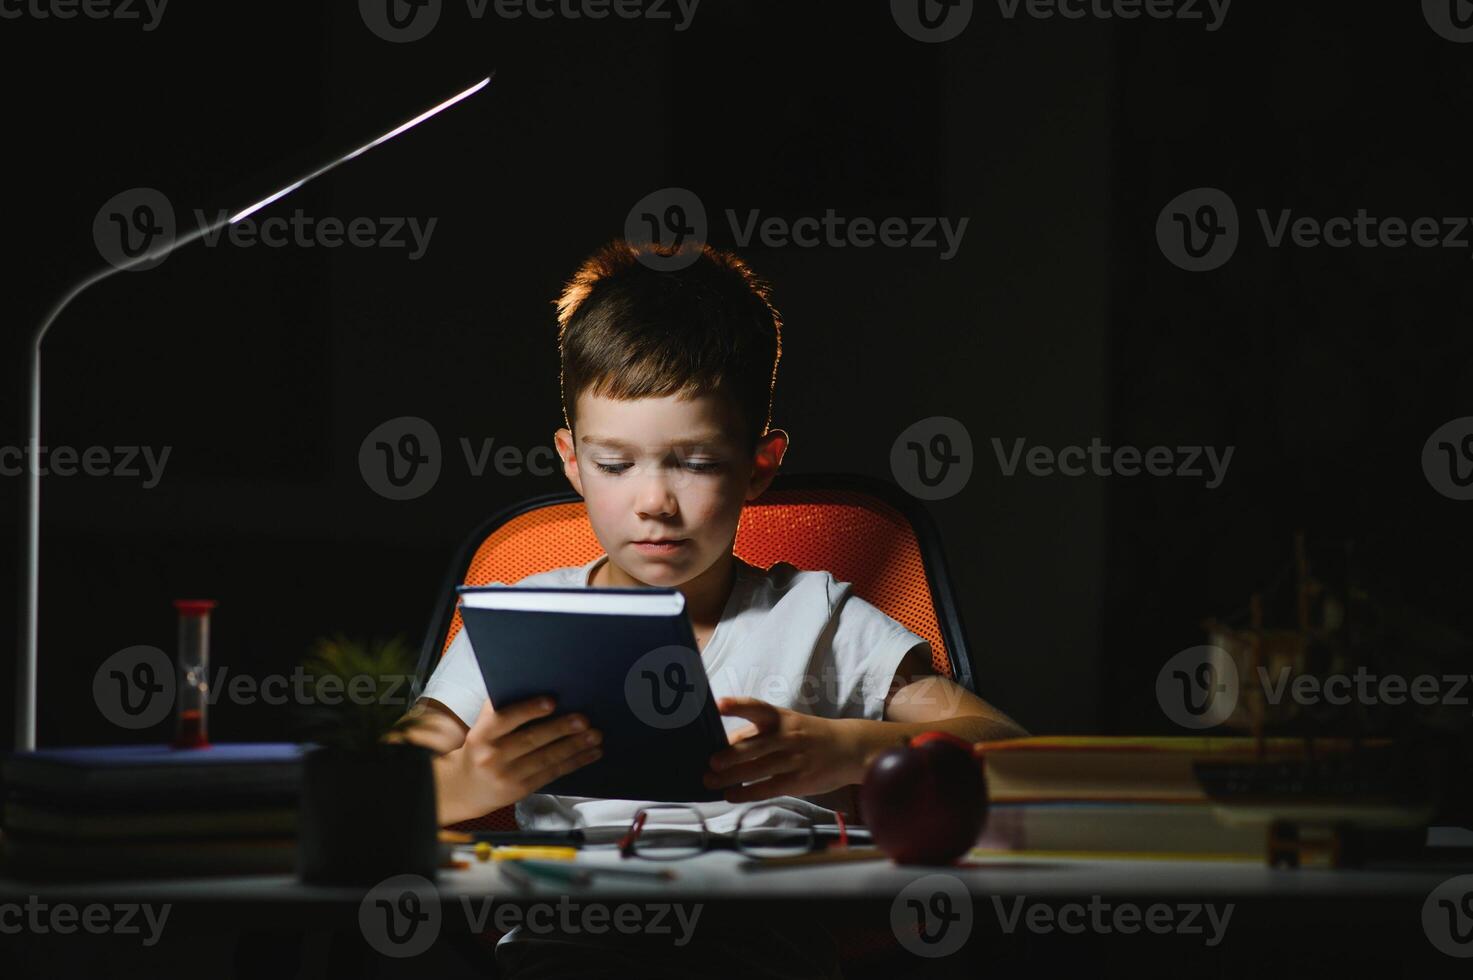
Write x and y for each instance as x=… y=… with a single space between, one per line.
x=656 y=499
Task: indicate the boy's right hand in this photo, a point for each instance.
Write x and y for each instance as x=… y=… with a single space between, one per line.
x=510 y=753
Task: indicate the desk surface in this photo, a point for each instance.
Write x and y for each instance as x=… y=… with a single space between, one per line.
x=716 y=876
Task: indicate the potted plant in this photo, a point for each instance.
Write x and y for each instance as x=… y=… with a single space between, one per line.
x=368 y=795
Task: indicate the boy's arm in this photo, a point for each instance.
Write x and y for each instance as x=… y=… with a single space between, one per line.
x=920 y=700
x=503 y=757
x=789 y=752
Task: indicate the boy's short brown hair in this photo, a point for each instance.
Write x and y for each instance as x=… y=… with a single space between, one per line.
x=627 y=330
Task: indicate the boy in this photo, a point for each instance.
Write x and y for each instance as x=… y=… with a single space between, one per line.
x=667 y=382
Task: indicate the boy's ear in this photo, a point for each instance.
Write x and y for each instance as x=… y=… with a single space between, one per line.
x=766 y=461
x=564 y=442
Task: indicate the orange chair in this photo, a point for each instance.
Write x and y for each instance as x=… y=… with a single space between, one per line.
x=861 y=530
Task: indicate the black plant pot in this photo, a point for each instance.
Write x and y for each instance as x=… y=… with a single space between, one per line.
x=367 y=815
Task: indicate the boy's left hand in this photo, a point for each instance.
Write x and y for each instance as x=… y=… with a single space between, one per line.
x=787 y=752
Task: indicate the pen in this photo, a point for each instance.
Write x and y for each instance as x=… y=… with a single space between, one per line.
x=550 y=853
x=561 y=873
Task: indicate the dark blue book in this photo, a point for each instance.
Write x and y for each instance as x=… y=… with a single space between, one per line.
x=237 y=772
x=627 y=660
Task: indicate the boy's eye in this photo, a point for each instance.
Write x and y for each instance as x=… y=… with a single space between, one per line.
x=694 y=465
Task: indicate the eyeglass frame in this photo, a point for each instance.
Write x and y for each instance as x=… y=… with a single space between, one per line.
x=710 y=843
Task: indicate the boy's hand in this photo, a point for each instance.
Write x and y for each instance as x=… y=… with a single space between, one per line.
x=787 y=752
x=510 y=753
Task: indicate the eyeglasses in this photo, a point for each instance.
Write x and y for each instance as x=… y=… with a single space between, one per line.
x=671 y=831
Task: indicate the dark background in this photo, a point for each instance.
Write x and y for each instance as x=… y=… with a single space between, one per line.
x=1058 y=321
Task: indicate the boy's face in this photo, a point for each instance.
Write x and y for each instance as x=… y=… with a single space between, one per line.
x=665 y=468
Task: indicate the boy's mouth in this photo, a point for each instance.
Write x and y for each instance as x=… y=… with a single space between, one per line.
x=663 y=546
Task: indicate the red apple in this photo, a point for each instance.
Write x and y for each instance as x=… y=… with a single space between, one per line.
x=925 y=802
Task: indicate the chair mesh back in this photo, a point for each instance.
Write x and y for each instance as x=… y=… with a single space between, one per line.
x=856 y=536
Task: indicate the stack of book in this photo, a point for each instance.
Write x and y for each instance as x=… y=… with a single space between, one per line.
x=1161 y=796
x=151 y=810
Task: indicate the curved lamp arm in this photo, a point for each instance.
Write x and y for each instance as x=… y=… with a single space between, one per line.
x=25 y=686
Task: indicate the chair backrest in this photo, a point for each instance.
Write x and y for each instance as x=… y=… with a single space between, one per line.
x=861 y=530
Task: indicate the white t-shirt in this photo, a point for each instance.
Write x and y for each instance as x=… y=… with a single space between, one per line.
x=796 y=639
